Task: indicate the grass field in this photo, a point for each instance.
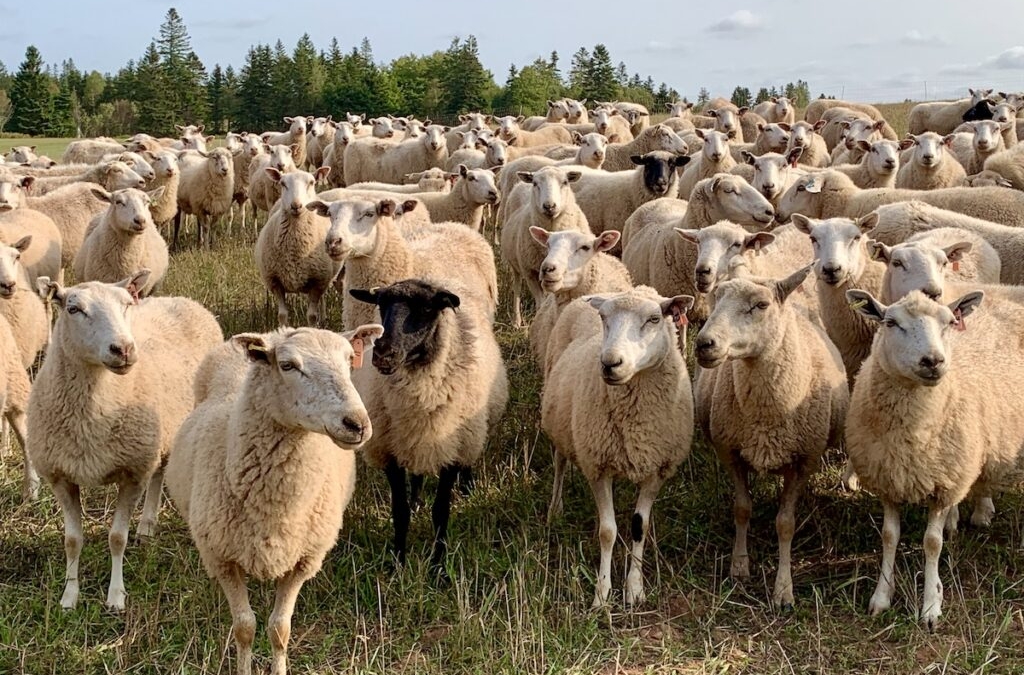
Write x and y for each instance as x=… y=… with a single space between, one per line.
x=520 y=596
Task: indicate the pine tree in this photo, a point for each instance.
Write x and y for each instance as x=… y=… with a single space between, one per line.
x=31 y=96
x=255 y=88
x=309 y=76
x=215 y=100
x=65 y=113
x=150 y=93
x=468 y=86
x=703 y=96
x=183 y=76
x=579 y=72
x=5 y=109
x=762 y=95
x=741 y=97
x=602 y=83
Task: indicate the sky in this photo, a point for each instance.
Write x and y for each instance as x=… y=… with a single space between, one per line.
x=868 y=50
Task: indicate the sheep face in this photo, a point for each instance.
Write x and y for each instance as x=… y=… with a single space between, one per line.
x=717 y=247
x=166 y=164
x=983 y=179
x=986 y=136
x=411 y=312
x=929 y=148
x=783 y=107
x=138 y=164
x=310 y=372
x=496 y=153
x=119 y=176
x=382 y=128
x=679 y=109
x=771 y=172
x=558 y=111
x=746 y=318
x=916 y=266
x=94 y=324
x=252 y=145
x=22 y=154
x=11 y=270
x=883 y=157
x=130 y=209
x=979 y=95
x=801 y=134
x=433 y=139
x=477 y=185
x=860 y=130
x=13 y=192
x=474 y=121
x=319 y=126
x=551 y=189
x=414 y=129
x=468 y=140
x=568 y=255
x=593 y=147
x=220 y=162
x=576 y=111
x=194 y=142
x=669 y=141
x=355 y=120
x=1004 y=114
x=602 y=118
x=726 y=121
x=344 y=132
x=508 y=127
x=913 y=343
x=659 y=170
x=296 y=125
x=776 y=135
x=431 y=180
x=638 y=332
x=281 y=158
x=354 y=225
x=716 y=144
x=801 y=197
x=840 y=248
x=298 y=188
x=738 y=201
x=233 y=142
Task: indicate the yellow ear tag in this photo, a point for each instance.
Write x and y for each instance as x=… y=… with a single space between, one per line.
x=51 y=293
x=858 y=304
x=357 y=353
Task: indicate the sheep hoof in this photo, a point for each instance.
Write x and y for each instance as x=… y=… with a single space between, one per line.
x=70 y=597
x=740 y=569
x=878 y=605
x=115 y=600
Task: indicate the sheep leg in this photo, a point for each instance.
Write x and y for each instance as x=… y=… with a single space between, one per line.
x=30 y=486
x=952 y=521
x=70 y=499
x=399 y=507
x=639 y=527
x=151 y=507
x=282 y=305
x=984 y=508
x=128 y=494
x=177 y=229
x=555 y=507
x=741 y=510
x=415 y=491
x=881 y=600
x=794 y=480
x=850 y=480
x=243 y=620
x=440 y=514
x=931 y=608
x=279 y=628
x=602 y=488
x=315 y=307
x=517 y=301
x=466 y=481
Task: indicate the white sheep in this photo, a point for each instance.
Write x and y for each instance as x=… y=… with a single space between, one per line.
x=878 y=166
x=714 y=157
x=111 y=175
x=777 y=109
x=21 y=154
x=123 y=239
x=558 y=111
x=376 y=160
x=848 y=149
x=618 y=156
x=14 y=393
x=431 y=180
x=817 y=108
x=89 y=151
x=931 y=166
x=263 y=191
x=168 y=177
x=135 y=161
x=771 y=174
x=805 y=135
x=974 y=142
x=206 y=190
x=43 y=257
x=23 y=312
x=290 y=252
x=771 y=397
x=1009 y=164
x=318 y=138
x=284 y=425
x=942 y=117
x=473 y=190
x=334 y=154
x=488 y=154
x=618 y=404
x=510 y=132
x=767 y=138
x=105 y=406
x=295 y=138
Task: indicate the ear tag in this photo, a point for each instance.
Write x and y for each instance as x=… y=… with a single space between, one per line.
x=858 y=304
x=679 y=319
x=51 y=293
x=757 y=246
x=960 y=325
x=134 y=292
x=956 y=265
x=357 y=353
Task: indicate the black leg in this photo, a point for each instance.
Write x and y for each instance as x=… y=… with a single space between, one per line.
x=442 y=509
x=399 y=507
x=177 y=229
x=415 y=492
x=466 y=481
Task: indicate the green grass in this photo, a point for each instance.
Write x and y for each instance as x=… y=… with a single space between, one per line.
x=51 y=147
x=521 y=591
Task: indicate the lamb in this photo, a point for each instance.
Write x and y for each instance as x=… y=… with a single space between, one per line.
x=550 y=204
x=929 y=167
x=206 y=190
x=473 y=190
x=431 y=180
x=105 y=406
x=771 y=174
x=376 y=252
x=24 y=315
x=972 y=147
x=713 y=158
x=369 y=159
x=926 y=358
x=771 y=397
x=618 y=157
x=295 y=138
x=805 y=135
x=290 y=252
x=830 y=194
x=263 y=191
x=576 y=264
x=112 y=175
x=510 y=132
x=942 y=117
x=168 y=177
x=438 y=387
x=14 y=393
x=923 y=264
x=334 y=154
x=630 y=418
x=608 y=199
x=558 y=111
x=877 y=168
x=277 y=428
x=89 y=151
x=777 y=109
x=318 y=138
x=901 y=221
x=1009 y=164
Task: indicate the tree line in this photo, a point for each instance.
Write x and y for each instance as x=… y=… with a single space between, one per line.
x=170 y=85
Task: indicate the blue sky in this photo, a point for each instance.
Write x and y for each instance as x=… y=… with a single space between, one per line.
x=866 y=50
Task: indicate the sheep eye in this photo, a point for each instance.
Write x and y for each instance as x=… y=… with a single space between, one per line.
x=736 y=246
x=654 y=320
x=471 y=177
x=72 y=309
x=890 y=323
x=897 y=263
x=800 y=188
x=857 y=238
x=368 y=214
x=761 y=305
x=287 y=366
x=585 y=247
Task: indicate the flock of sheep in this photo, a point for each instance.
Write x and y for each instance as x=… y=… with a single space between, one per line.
x=842 y=289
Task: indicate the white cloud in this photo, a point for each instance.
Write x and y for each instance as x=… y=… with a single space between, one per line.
x=1010 y=59
x=740 y=21
x=916 y=38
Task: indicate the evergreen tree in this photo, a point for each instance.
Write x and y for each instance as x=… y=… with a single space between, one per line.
x=762 y=95
x=282 y=86
x=309 y=76
x=31 y=96
x=741 y=97
x=184 y=77
x=215 y=100
x=64 y=116
x=5 y=109
x=254 y=90
x=602 y=84
x=155 y=115
x=579 y=72
x=467 y=85
x=703 y=96
x=622 y=75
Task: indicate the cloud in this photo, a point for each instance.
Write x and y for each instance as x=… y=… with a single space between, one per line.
x=915 y=38
x=739 y=22
x=1009 y=59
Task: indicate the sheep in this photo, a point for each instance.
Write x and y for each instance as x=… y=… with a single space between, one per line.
x=468 y=124
x=473 y=190
x=334 y=154
x=612 y=124
x=135 y=162
x=168 y=177
x=771 y=174
x=942 y=117
x=487 y=154
x=318 y=138
x=816 y=109
x=558 y=111
x=206 y=190
x=618 y=404
x=284 y=425
x=805 y=135
x=590 y=153
x=295 y=138
x=375 y=251
x=14 y=393
x=376 y=160
x=608 y=199
x=925 y=359
x=290 y=252
x=510 y=132
x=977 y=143
x=438 y=387
x=713 y=158
x=929 y=167
x=576 y=264
x=837 y=121
x=24 y=315
x=123 y=239
x=550 y=204
x=986 y=179
x=112 y=175
x=638 y=115
x=431 y=180
x=587 y=150
x=263 y=191
x=771 y=397
x=750 y=124
x=43 y=257
x=830 y=194
x=1009 y=164
x=89 y=151
x=847 y=149
x=777 y=109
x=878 y=166
x=618 y=157
x=727 y=120
x=576 y=111
x=21 y=154
x=105 y=406
x=767 y=138
x=680 y=109
x=903 y=220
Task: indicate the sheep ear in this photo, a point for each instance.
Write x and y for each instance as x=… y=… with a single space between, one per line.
x=135 y=283
x=699 y=133
x=760 y=126
x=443 y=300
x=540 y=235
x=757 y=240
x=607 y=240
x=255 y=347
x=880 y=252
x=785 y=127
x=51 y=291
x=785 y=287
x=155 y=195
x=595 y=301
x=906 y=143
x=577 y=138
x=868 y=222
x=274 y=174
x=386 y=207
x=947 y=140
x=368 y=333
x=966 y=304
x=681 y=160
x=294 y=149
x=863 y=145
x=748 y=157
x=370 y=296
x=956 y=252
x=812 y=186
x=687 y=235
x=819 y=125
x=525 y=176
x=23 y=243
x=742 y=111
x=463 y=170
x=793 y=156
x=573 y=176
x=865 y=304
x=409 y=205
x=802 y=222
x=101 y=194
x=320 y=207
x=676 y=306
x=27 y=181
x=322 y=173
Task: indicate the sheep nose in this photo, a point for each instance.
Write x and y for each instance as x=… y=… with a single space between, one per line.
x=8 y=287
x=932 y=361
x=831 y=271
x=705 y=343
x=928 y=158
x=769 y=187
x=716 y=157
x=890 y=164
x=933 y=292
x=141 y=183
x=124 y=351
x=354 y=425
x=610 y=363
x=549 y=207
x=703 y=271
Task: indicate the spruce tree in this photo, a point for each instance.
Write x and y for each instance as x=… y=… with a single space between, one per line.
x=31 y=96
x=602 y=85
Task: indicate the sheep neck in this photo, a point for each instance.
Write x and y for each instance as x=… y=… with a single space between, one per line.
x=699 y=211
x=432 y=385
x=769 y=381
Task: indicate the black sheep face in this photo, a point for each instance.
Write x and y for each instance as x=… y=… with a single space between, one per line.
x=982 y=110
x=659 y=168
x=410 y=311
